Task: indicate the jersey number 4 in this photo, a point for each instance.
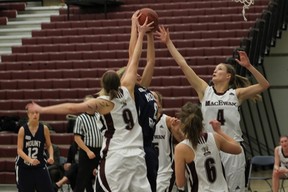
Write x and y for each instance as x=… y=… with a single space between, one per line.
x=220 y=116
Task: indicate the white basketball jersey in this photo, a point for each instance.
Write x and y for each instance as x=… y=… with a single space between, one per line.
x=163 y=142
x=205 y=172
x=223 y=107
x=283 y=159
x=121 y=129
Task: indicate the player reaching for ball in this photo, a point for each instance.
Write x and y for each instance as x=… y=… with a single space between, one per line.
x=145 y=102
x=221 y=101
x=151 y=15
x=122 y=166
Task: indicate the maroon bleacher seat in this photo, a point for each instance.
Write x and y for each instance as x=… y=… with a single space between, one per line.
x=3 y=20
x=64 y=61
x=62 y=138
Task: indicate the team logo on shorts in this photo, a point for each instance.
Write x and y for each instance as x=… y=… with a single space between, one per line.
x=205 y=150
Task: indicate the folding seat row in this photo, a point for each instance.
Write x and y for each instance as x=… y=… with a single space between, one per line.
x=202 y=51
x=45 y=93
x=160 y=81
x=174 y=91
x=174 y=71
x=161 y=6
x=198 y=16
x=60 y=32
x=92 y=46
x=62 y=138
x=118 y=20
x=7 y=164
x=179 y=80
x=193 y=60
x=233 y=10
x=30 y=65
x=210 y=34
x=8 y=177
x=61 y=64
x=8 y=150
x=75 y=15
x=211 y=26
x=7 y=138
x=8 y=13
x=124 y=38
x=216 y=42
x=19 y=6
x=61 y=56
x=116 y=30
x=3 y=20
x=58 y=126
x=53 y=83
x=178 y=102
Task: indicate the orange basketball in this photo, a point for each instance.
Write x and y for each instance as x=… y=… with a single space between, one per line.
x=152 y=16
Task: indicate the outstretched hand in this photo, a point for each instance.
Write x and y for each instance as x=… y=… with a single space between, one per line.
x=216 y=125
x=244 y=59
x=163 y=34
x=135 y=18
x=146 y=27
x=33 y=107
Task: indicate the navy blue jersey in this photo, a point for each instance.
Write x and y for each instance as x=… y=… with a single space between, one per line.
x=147 y=112
x=33 y=146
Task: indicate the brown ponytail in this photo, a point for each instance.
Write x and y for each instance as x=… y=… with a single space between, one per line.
x=191 y=118
x=110 y=82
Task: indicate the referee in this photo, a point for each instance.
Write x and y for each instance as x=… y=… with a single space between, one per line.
x=88 y=137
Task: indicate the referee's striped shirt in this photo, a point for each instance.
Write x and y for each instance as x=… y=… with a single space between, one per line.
x=88 y=126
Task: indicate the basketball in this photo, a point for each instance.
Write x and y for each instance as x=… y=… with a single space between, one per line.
x=152 y=16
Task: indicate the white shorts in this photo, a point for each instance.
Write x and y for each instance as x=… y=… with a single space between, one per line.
x=124 y=170
x=234 y=166
x=164 y=182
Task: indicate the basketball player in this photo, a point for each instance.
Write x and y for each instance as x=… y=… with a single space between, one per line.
x=31 y=170
x=167 y=130
x=145 y=102
x=221 y=101
x=199 y=153
x=123 y=138
x=281 y=163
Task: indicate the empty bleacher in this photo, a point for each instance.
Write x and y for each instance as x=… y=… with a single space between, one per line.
x=64 y=60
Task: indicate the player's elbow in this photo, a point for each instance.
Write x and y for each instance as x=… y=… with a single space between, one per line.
x=266 y=85
x=237 y=150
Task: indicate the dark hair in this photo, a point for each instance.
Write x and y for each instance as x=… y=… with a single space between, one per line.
x=110 y=82
x=191 y=118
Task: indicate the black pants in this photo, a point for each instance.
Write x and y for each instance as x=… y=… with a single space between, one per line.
x=151 y=159
x=85 y=170
x=71 y=174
